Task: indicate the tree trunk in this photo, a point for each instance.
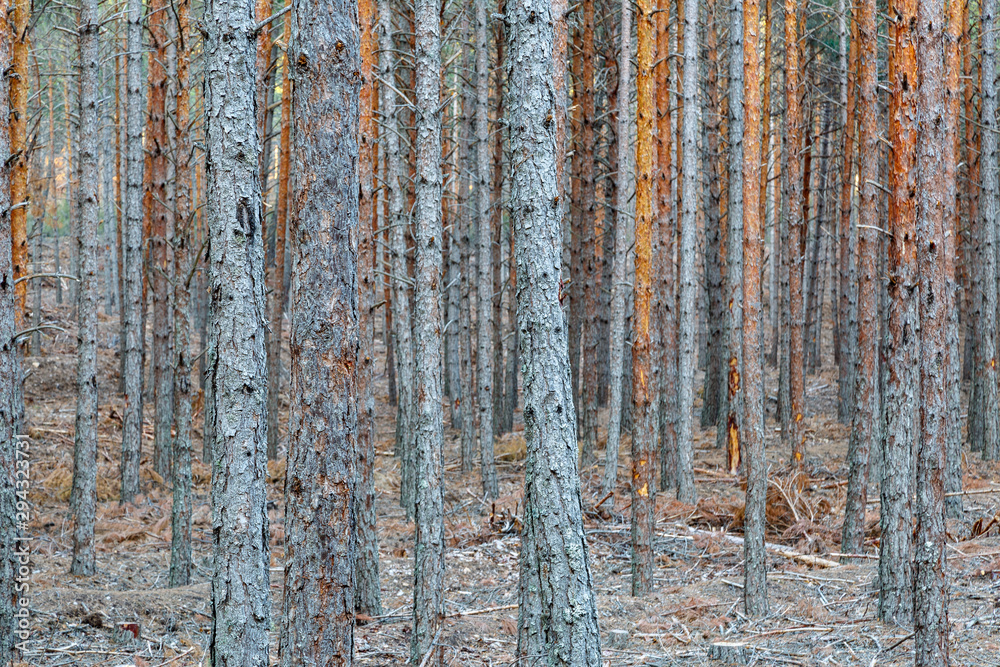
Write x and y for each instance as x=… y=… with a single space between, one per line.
x=428 y=592
x=557 y=617
x=323 y=435
x=846 y=316
x=752 y=440
x=865 y=427
x=184 y=264
x=484 y=238
x=930 y=586
x=793 y=205
x=895 y=554
x=19 y=92
x=159 y=221
x=13 y=462
x=688 y=321
x=643 y=479
x=953 y=64
x=618 y=286
x=119 y=129
x=241 y=617
x=132 y=300
x=714 y=172
x=367 y=594
x=984 y=415
x=591 y=265
x=276 y=273
x=497 y=226
x=397 y=224
x=83 y=498
x=731 y=409
x=666 y=291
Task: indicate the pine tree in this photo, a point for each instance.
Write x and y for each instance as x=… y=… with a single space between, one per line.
x=428 y=427
x=320 y=504
x=184 y=264
x=10 y=367
x=557 y=618
x=930 y=589
x=83 y=497
x=132 y=301
x=752 y=443
x=865 y=426
x=643 y=479
x=484 y=326
x=687 y=348
x=240 y=578
x=895 y=553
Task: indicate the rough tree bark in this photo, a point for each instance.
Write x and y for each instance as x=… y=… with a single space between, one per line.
x=752 y=441
x=895 y=553
x=954 y=96
x=591 y=250
x=665 y=264
x=731 y=411
x=793 y=205
x=618 y=286
x=14 y=467
x=19 y=90
x=688 y=321
x=276 y=272
x=930 y=599
x=557 y=618
x=185 y=263
x=846 y=319
x=984 y=412
x=83 y=497
x=158 y=220
x=241 y=605
x=867 y=414
x=484 y=242
x=318 y=626
x=367 y=594
x=132 y=298
x=643 y=479
x=428 y=601
x=397 y=225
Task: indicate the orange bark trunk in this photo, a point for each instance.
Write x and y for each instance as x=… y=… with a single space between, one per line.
x=18 y=146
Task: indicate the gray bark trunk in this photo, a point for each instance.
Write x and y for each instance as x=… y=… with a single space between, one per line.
x=984 y=415
x=867 y=413
x=557 y=618
x=320 y=507
x=397 y=224
x=453 y=342
x=731 y=409
x=184 y=265
x=132 y=299
x=241 y=605
x=428 y=593
x=484 y=241
x=930 y=589
x=619 y=290
x=83 y=498
x=688 y=319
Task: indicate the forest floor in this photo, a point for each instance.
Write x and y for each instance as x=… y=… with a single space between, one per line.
x=820 y=615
